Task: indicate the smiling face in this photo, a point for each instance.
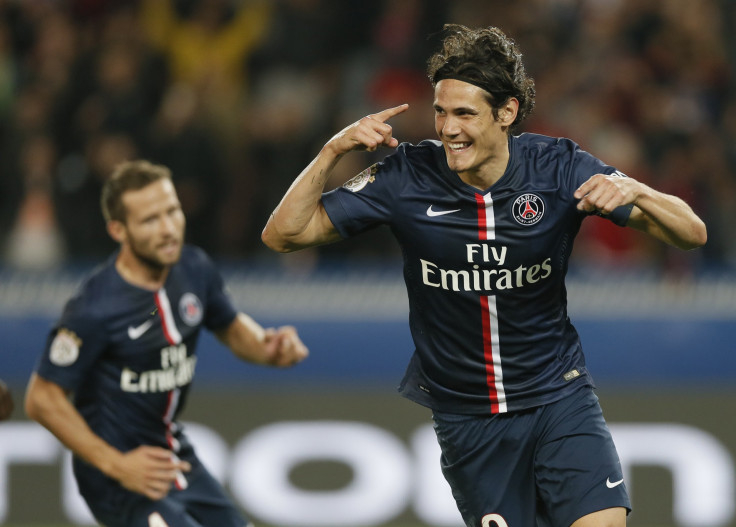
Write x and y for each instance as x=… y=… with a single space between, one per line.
x=153 y=231
x=475 y=142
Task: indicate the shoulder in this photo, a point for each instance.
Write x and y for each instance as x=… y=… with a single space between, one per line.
x=538 y=145
x=100 y=282
x=196 y=258
x=195 y=261
x=409 y=156
x=96 y=295
x=192 y=255
x=428 y=149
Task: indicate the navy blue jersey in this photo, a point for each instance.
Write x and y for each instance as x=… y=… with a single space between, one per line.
x=484 y=270
x=128 y=353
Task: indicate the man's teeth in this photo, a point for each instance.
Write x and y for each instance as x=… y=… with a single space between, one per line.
x=458 y=146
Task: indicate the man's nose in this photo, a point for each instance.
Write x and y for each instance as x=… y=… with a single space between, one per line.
x=450 y=127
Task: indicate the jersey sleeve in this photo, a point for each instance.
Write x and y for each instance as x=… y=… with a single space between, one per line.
x=73 y=345
x=219 y=309
x=368 y=199
x=585 y=166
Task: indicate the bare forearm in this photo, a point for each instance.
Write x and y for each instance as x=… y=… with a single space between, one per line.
x=273 y=347
x=295 y=223
x=246 y=338
x=300 y=220
x=668 y=218
x=47 y=404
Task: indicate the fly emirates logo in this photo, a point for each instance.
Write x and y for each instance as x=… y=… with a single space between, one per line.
x=484 y=279
x=176 y=370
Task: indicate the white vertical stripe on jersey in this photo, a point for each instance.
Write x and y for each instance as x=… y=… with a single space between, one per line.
x=167 y=316
x=181 y=482
x=496 y=354
x=171 y=406
x=490 y=220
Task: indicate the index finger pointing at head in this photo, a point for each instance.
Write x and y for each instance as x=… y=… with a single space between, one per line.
x=386 y=114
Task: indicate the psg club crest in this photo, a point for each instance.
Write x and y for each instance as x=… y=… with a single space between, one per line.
x=528 y=209
x=361 y=180
x=190 y=309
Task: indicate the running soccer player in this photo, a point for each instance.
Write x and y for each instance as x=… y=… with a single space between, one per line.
x=486 y=222
x=125 y=347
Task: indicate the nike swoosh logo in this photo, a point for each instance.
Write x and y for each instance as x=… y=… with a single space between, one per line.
x=136 y=332
x=613 y=484
x=432 y=213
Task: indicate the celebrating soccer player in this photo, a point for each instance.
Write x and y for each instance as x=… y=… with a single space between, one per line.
x=486 y=221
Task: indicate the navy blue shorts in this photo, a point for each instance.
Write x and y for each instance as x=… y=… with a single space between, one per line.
x=546 y=466
x=202 y=504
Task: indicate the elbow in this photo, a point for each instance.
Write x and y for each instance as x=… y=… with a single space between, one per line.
x=32 y=407
x=702 y=235
x=698 y=237
x=283 y=242
x=274 y=241
x=40 y=400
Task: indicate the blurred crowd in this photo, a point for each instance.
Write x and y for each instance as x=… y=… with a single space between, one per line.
x=237 y=96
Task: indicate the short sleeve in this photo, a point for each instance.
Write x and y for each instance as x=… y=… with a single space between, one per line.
x=368 y=199
x=585 y=166
x=219 y=309
x=73 y=345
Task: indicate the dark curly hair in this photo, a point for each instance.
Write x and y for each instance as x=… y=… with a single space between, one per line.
x=489 y=59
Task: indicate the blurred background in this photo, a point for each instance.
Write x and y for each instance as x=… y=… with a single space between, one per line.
x=236 y=97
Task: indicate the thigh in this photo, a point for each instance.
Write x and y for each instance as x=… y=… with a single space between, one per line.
x=577 y=466
x=488 y=462
x=147 y=513
x=203 y=503
x=206 y=501
x=615 y=517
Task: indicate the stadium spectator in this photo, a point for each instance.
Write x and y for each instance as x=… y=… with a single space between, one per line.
x=35 y=241
x=177 y=138
x=662 y=71
x=207 y=43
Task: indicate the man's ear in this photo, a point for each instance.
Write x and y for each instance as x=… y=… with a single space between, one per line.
x=507 y=113
x=117 y=231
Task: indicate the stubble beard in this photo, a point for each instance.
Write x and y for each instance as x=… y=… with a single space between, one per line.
x=151 y=261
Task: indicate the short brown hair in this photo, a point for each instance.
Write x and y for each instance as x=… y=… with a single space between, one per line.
x=129 y=175
x=489 y=59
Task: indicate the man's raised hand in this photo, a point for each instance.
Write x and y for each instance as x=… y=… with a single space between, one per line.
x=368 y=133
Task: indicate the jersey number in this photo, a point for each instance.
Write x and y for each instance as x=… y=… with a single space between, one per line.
x=155 y=520
x=493 y=519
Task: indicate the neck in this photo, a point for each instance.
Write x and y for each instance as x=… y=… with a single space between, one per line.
x=481 y=180
x=139 y=272
x=489 y=172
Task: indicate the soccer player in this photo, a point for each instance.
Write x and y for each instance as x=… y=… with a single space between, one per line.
x=125 y=347
x=486 y=221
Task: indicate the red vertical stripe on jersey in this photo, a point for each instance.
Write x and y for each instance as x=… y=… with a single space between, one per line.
x=164 y=325
x=168 y=323
x=482 y=220
x=488 y=355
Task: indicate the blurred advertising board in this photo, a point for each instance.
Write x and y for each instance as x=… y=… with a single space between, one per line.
x=330 y=442
x=359 y=458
